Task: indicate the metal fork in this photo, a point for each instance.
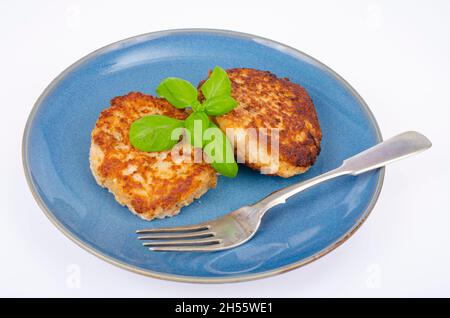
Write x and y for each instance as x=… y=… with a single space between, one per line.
x=239 y=226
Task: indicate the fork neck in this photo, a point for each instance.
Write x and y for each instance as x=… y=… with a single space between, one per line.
x=280 y=196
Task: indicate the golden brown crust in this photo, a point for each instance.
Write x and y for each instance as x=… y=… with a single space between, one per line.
x=152 y=185
x=266 y=101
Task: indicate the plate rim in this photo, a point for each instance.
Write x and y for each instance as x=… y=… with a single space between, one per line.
x=184 y=278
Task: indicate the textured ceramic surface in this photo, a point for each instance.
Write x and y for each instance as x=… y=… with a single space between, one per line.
x=57 y=139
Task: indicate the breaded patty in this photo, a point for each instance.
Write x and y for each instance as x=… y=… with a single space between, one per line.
x=150 y=184
x=266 y=101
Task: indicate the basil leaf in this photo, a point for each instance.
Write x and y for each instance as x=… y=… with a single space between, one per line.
x=220 y=153
x=178 y=92
x=196 y=124
x=218 y=84
x=197 y=106
x=219 y=105
x=154 y=133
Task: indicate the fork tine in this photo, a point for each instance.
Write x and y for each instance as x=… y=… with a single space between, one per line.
x=167 y=236
x=199 y=242
x=189 y=228
x=188 y=248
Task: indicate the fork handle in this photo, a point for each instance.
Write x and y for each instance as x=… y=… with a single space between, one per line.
x=395 y=148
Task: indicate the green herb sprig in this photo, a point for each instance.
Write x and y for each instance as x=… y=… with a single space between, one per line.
x=154 y=132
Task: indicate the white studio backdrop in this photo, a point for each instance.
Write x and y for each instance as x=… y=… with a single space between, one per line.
x=395 y=53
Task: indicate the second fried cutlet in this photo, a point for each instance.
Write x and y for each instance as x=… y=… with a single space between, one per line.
x=266 y=101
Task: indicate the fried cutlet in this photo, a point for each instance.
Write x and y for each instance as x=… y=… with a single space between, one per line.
x=151 y=184
x=266 y=101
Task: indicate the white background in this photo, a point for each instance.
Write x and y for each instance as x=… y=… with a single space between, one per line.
x=395 y=53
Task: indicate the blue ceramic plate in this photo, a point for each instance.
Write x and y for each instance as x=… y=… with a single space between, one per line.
x=57 y=140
